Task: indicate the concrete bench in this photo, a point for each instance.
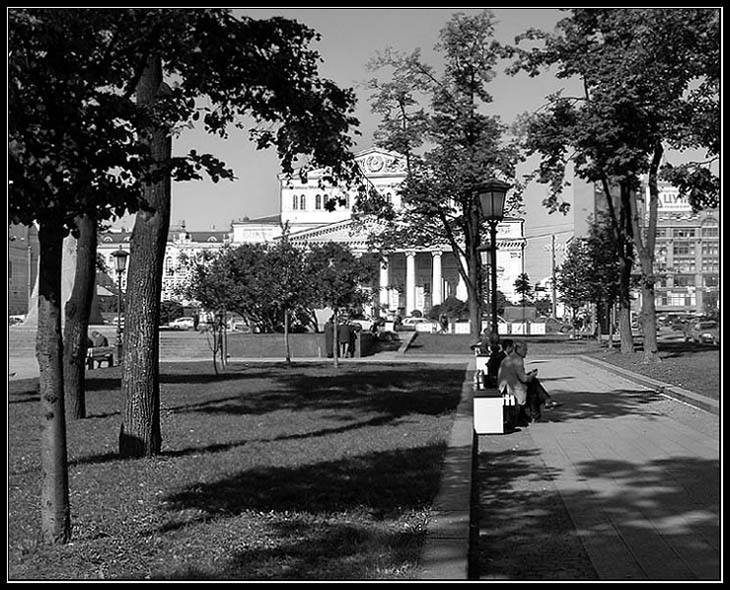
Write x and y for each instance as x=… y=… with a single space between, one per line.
x=100 y=354
x=491 y=410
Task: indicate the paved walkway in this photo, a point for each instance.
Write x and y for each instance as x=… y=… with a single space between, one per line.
x=619 y=483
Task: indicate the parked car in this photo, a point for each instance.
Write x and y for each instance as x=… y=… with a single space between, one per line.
x=238 y=325
x=183 y=323
x=692 y=327
x=694 y=330
x=706 y=332
x=363 y=322
x=711 y=335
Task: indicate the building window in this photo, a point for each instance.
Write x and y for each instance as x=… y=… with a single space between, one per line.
x=711 y=264
x=684 y=232
x=710 y=228
x=661 y=232
x=318 y=201
x=302 y=202
x=711 y=280
x=710 y=248
x=295 y=202
x=681 y=299
x=683 y=249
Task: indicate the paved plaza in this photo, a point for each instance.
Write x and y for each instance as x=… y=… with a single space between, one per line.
x=618 y=483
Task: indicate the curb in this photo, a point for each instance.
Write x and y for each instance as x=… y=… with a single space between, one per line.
x=449 y=536
x=671 y=391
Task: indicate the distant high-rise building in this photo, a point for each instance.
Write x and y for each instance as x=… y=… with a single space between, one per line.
x=23 y=252
x=687 y=255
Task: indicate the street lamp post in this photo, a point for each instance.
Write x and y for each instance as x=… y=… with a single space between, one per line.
x=491 y=200
x=120 y=264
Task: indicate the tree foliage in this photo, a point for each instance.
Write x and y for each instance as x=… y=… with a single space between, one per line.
x=95 y=96
x=339 y=277
x=651 y=82
x=271 y=284
x=452 y=145
x=523 y=287
x=573 y=277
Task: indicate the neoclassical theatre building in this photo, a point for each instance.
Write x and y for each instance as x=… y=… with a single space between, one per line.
x=410 y=279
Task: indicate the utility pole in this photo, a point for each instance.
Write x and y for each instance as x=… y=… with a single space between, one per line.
x=555 y=309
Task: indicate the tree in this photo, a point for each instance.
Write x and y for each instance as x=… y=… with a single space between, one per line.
x=523 y=287
x=76 y=312
x=604 y=271
x=463 y=145
x=64 y=143
x=455 y=309
x=651 y=82
x=287 y=283
x=90 y=121
x=574 y=275
x=337 y=276
x=262 y=69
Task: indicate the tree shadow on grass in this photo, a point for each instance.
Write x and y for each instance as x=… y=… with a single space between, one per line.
x=368 y=397
x=383 y=483
x=304 y=551
x=395 y=391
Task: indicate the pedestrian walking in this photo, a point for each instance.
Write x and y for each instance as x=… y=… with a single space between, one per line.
x=343 y=337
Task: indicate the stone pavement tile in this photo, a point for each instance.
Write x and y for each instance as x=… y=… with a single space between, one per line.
x=446 y=559
x=525 y=530
x=639 y=474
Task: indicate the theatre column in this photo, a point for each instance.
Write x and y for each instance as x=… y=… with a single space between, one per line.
x=410 y=282
x=384 y=287
x=437 y=296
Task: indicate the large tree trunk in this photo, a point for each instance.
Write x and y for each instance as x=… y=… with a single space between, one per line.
x=77 y=312
x=624 y=314
x=627 y=267
x=140 y=434
x=54 y=505
x=645 y=246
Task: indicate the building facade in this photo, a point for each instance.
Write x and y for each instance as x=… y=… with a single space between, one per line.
x=23 y=253
x=687 y=257
x=410 y=279
x=183 y=247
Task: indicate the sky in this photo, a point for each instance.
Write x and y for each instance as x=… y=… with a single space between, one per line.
x=350 y=37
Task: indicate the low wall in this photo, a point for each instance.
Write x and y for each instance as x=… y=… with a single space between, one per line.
x=307 y=345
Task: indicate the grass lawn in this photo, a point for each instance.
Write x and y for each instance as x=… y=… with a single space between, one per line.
x=267 y=472
x=690 y=366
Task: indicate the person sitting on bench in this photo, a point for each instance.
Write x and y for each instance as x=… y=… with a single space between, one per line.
x=98 y=339
x=524 y=386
